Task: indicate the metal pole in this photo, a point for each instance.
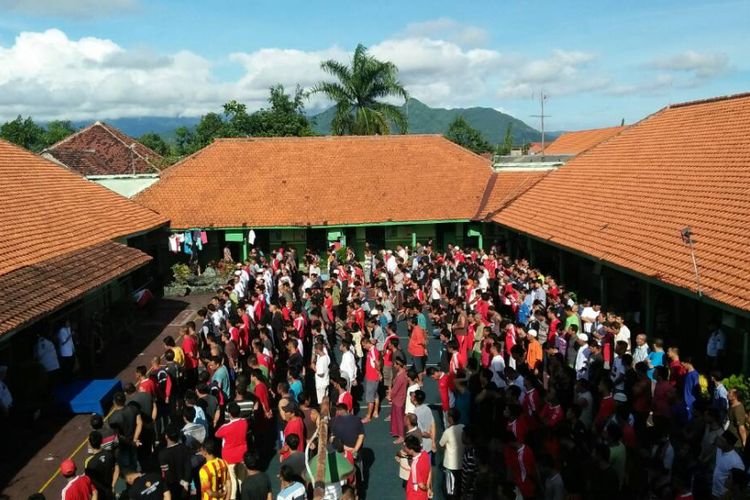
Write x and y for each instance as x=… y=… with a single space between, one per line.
x=695 y=268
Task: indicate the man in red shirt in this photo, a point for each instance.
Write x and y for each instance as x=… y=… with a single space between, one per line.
x=143 y=382
x=419 y=483
x=344 y=397
x=233 y=437
x=190 y=348
x=519 y=459
x=417 y=346
x=372 y=378
x=294 y=424
x=78 y=487
x=446 y=387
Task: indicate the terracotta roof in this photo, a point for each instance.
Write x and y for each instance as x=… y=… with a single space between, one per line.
x=47 y=210
x=626 y=200
x=504 y=187
x=535 y=147
x=573 y=143
x=266 y=182
x=36 y=290
x=101 y=149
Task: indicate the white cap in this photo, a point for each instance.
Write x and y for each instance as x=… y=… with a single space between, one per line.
x=582 y=336
x=532 y=332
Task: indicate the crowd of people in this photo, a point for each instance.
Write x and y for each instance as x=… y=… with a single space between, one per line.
x=540 y=394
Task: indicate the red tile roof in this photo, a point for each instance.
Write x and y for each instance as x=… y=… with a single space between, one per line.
x=535 y=147
x=267 y=182
x=626 y=200
x=573 y=143
x=101 y=149
x=47 y=210
x=36 y=290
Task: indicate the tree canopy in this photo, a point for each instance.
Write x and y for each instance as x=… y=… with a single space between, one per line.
x=285 y=117
x=28 y=134
x=358 y=95
x=156 y=143
x=464 y=135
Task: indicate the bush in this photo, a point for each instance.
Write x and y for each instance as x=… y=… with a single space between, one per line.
x=181 y=273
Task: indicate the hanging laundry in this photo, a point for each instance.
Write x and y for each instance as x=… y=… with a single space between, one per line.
x=204 y=237
x=188 y=238
x=197 y=240
x=174 y=243
x=251 y=237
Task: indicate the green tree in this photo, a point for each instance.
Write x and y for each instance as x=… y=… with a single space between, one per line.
x=57 y=130
x=358 y=93
x=505 y=148
x=285 y=118
x=465 y=135
x=154 y=141
x=184 y=141
x=24 y=132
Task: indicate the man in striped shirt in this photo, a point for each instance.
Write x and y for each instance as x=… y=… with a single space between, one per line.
x=214 y=475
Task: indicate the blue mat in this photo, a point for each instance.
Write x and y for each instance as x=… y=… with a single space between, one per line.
x=87 y=396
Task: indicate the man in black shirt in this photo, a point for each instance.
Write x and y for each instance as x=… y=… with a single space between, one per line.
x=174 y=461
x=256 y=485
x=101 y=467
x=127 y=422
x=148 y=486
x=348 y=428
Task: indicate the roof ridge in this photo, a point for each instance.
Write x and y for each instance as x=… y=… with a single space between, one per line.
x=709 y=100
x=321 y=137
x=74 y=134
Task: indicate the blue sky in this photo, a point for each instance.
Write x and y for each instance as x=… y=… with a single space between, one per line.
x=599 y=62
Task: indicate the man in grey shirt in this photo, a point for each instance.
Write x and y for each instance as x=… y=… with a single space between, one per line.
x=425 y=421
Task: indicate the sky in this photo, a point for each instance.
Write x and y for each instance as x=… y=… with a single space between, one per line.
x=598 y=62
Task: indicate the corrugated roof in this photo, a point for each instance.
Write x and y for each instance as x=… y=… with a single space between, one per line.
x=626 y=200
x=48 y=210
x=265 y=182
x=573 y=143
x=101 y=149
x=34 y=291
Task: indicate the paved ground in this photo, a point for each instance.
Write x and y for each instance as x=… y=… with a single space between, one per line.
x=39 y=448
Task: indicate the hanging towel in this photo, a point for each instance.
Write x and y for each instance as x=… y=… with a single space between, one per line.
x=188 y=243
x=174 y=244
x=251 y=237
x=204 y=237
x=197 y=240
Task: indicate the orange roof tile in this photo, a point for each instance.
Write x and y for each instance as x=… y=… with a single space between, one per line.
x=573 y=143
x=626 y=200
x=36 y=290
x=101 y=149
x=290 y=181
x=48 y=210
x=505 y=186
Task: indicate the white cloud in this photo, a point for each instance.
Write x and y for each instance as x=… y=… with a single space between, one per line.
x=448 y=29
x=563 y=73
x=699 y=64
x=69 y=8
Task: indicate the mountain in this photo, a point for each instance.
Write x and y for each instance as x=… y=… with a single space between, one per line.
x=423 y=119
x=136 y=127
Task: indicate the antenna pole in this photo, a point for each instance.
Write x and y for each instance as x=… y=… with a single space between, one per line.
x=542 y=98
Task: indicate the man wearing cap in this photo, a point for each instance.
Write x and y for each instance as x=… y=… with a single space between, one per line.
x=78 y=487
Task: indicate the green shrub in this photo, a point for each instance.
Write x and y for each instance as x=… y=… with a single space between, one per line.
x=181 y=273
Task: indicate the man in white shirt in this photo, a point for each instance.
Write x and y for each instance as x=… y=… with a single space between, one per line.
x=451 y=441
x=497 y=366
x=46 y=354
x=390 y=262
x=66 y=350
x=716 y=346
x=623 y=332
x=322 y=363
x=348 y=366
x=582 y=356
x=436 y=291
x=588 y=316
x=640 y=353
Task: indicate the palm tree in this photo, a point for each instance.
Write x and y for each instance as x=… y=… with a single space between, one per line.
x=357 y=93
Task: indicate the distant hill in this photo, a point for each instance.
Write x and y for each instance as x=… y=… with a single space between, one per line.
x=426 y=120
x=136 y=127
